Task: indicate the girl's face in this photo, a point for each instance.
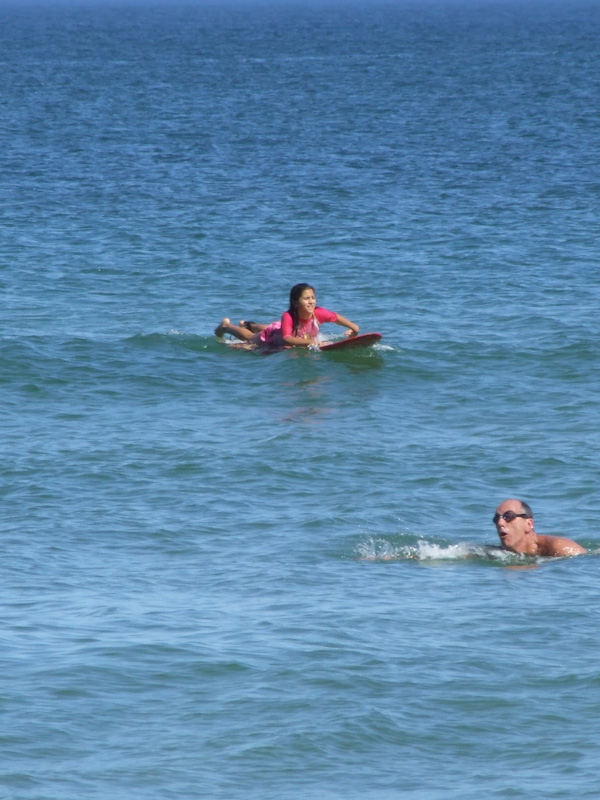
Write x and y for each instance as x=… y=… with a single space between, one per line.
x=306 y=304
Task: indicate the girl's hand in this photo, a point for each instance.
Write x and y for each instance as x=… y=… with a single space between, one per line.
x=349 y=332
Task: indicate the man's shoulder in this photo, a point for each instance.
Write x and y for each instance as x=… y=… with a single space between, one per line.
x=558 y=546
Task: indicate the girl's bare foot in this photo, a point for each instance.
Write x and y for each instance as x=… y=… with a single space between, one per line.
x=221 y=329
x=253 y=327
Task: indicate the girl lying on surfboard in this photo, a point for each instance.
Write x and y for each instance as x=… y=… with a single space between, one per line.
x=298 y=327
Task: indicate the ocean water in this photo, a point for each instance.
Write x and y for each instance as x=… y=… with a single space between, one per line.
x=234 y=575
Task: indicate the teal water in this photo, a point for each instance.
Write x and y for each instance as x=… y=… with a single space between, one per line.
x=229 y=575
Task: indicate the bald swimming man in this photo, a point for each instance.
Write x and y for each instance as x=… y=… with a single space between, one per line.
x=514 y=523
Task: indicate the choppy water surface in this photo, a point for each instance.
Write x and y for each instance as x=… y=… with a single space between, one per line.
x=232 y=575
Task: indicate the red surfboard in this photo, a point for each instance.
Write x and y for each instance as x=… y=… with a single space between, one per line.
x=362 y=340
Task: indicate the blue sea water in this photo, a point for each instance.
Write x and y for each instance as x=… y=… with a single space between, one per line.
x=231 y=575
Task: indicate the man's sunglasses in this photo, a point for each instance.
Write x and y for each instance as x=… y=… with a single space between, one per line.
x=508 y=516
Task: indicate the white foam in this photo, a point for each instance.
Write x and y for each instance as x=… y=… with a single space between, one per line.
x=380 y=549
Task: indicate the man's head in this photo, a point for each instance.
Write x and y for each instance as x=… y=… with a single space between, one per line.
x=514 y=524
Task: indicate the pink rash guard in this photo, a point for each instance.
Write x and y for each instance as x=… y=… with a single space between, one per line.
x=273 y=334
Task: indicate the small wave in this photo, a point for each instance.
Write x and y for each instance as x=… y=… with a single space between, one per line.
x=172 y=339
x=379 y=549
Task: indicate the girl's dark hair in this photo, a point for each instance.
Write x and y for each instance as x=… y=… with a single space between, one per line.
x=295 y=295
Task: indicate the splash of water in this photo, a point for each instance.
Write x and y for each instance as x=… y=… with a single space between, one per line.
x=380 y=549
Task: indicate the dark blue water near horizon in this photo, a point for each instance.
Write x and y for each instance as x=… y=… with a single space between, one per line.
x=231 y=575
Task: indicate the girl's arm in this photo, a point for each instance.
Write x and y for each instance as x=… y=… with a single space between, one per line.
x=352 y=327
x=288 y=333
x=296 y=341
